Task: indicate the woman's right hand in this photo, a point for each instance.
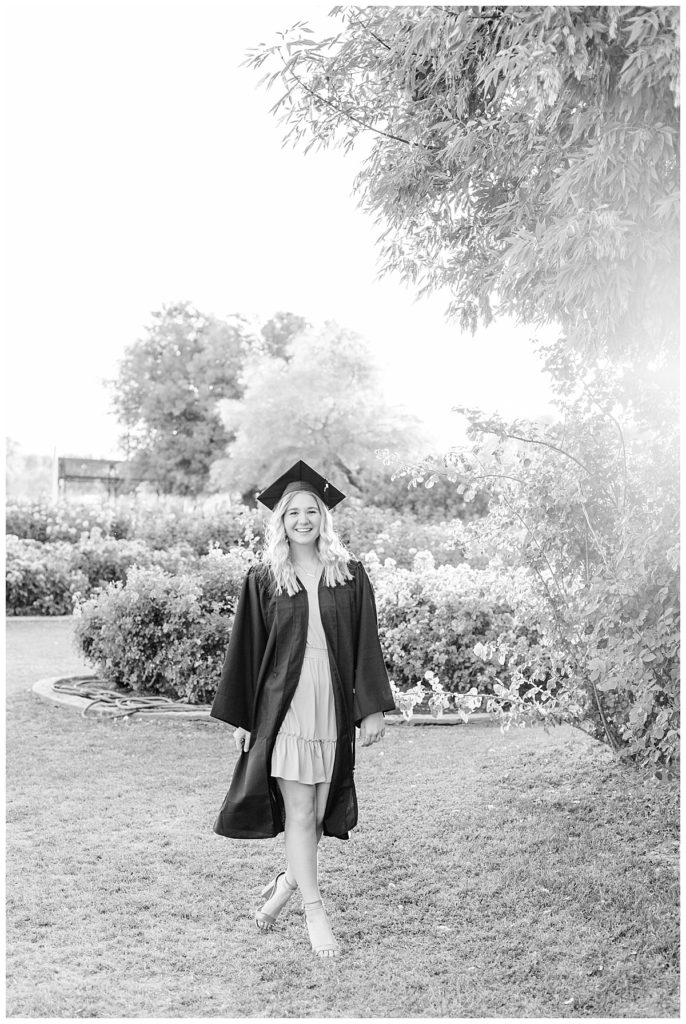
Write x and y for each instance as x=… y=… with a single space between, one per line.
x=241 y=738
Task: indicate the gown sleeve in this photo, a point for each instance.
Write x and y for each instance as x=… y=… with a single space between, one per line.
x=372 y=691
x=233 y=701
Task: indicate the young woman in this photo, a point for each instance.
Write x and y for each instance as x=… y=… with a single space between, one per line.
x=303 y=669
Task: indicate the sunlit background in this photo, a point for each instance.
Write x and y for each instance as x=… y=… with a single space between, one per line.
x=145 y=167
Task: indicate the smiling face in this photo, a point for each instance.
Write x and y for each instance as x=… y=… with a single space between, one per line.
x=302 y=520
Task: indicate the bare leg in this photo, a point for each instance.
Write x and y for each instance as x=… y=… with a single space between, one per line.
x=321 y=796
x=304 y=813
x=301 y=836
x=286 y=883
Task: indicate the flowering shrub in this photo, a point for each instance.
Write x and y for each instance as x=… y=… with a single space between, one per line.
x=165 y=634
x=169 y=522
x=161 y=523
x=436 y=699
x=104 y=560
x=605 y=557
x=588 y=508
x=64 y=520
x=157 y=523
x=40 y=581
x=433 y=617
x=43 y=579
x=100 y=543
x=400 y=537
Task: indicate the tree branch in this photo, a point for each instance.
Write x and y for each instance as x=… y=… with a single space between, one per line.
x=346 y=113
x=369 y=31
x=544 y=444
x=594 y=535
x=350 y=476
x=621 y=437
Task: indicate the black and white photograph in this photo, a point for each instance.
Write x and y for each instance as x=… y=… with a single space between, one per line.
x=342 y=510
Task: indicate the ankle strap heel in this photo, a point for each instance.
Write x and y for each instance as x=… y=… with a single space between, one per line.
x=318 y=927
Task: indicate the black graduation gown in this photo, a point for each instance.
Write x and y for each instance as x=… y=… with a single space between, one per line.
x=260 y=675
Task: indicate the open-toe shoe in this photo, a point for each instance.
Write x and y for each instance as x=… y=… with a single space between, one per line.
x=276 y=895
x=318 y=927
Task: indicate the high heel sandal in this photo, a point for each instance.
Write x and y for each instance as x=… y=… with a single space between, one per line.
x=265 y=922
x=329 y=947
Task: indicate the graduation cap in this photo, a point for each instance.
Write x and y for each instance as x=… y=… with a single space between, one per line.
x=301 y=477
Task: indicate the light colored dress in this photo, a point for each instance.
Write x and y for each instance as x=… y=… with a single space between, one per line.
x=305 y=745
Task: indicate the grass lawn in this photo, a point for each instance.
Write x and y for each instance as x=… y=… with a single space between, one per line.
x=40 y=648
x=490 y=876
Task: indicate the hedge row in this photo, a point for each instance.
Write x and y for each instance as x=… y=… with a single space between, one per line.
x=158 y=524
x=65 y=549
x=167 y=634
x=170 y=521
x=46 y=579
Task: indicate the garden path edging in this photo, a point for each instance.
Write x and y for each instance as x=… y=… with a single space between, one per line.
x=46 y=691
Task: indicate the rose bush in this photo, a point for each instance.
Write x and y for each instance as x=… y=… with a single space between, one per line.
x=214 y=525
x=104 y=560
x=44 y=578
x=431 y=618
x=41 y=579
x=165 y=634
x=99 y=544
x=392 y=535
x=160 y=523
x=46 y=521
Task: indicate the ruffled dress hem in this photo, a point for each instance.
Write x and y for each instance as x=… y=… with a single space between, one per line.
x=303 y=760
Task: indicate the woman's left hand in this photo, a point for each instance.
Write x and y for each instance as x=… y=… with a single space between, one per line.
x=372 y=728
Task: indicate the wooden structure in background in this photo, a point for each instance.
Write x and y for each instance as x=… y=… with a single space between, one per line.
x=88 y=476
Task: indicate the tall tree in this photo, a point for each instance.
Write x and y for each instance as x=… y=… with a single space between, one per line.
x=278 y=333
x=323 y=403
x=525 y=157
x=166 y=395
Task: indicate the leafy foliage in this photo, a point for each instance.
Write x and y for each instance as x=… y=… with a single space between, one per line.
x=167 y=522
x=167 y=391
x=61 y=549
x=432 y=618
x=526 y=158
x=104 y=560
x=277 y=334
x=220 y=525
x=438 y=503
x=158 y=522
x=165 y=634
x=398 y=536
x=591 y=510
x=321 y=403
x=40 y=581
x=47 y=578
x=45 y=520
x=435 y=697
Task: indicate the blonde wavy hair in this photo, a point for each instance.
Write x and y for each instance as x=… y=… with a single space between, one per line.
x=330 y=550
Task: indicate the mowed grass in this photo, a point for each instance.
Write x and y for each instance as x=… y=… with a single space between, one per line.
x=40 y=648
x=490 y=876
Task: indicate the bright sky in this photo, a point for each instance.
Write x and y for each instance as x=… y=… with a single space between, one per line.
x=144 y=167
